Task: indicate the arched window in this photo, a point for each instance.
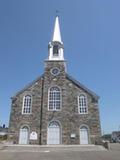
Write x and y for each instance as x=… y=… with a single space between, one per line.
x=54 y=124
x=27 y=104
x=54 y=98
x=82 y=104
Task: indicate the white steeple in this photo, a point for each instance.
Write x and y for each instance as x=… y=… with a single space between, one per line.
x=56 y=45
x=56 y=33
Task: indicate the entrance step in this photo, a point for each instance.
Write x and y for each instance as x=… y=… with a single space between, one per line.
x=51 y=148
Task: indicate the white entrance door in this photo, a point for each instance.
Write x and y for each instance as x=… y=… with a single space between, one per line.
x=83 y=135
x=53 y=134
x=23 y=138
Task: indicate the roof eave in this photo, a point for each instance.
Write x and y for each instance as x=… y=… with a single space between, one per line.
x=27 y=86
x=82 y=86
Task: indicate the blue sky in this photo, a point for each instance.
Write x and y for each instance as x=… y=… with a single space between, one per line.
x=91 y=34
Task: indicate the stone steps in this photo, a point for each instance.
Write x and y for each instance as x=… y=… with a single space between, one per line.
x=51 y=148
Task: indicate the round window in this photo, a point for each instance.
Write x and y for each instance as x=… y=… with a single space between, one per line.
x=55 y=71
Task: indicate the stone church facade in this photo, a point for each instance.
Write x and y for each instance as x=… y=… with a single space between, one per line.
x=55 y=108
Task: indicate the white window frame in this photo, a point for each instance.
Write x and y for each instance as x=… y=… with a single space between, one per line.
x=60 y=101
x=27 y=106
x=83 y=107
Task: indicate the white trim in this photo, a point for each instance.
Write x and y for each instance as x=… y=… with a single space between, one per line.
x=53 y=73
x=60 y=99
x=25 y=125
x=82 y=94
x=27 y=94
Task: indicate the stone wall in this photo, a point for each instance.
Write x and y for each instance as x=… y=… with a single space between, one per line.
x=17 y=119
x=68 y=117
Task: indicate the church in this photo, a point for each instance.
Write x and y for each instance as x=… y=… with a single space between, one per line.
x=55 y=108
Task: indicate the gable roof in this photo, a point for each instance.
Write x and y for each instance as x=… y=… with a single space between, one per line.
x=68 y=77
x=82 y=86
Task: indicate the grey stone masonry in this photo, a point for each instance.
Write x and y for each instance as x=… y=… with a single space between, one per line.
x=17 y=119
x=68 y=116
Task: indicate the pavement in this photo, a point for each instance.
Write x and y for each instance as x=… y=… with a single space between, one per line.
x=76 y=152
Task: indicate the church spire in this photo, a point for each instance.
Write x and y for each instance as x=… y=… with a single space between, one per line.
x=56 y=45
x=56 y=33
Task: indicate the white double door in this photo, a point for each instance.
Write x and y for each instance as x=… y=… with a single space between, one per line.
x=23 y=137
x=83 y=135
x=53 y=134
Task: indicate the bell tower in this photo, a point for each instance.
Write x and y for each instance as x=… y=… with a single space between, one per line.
x=55 y=65
x=55 y=47
x=54 y=76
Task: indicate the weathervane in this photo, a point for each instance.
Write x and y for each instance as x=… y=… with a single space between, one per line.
x=57 y=13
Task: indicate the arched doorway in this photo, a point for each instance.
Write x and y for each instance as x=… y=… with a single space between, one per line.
x=84 y=135
x=53 y=133
x=24 y=135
